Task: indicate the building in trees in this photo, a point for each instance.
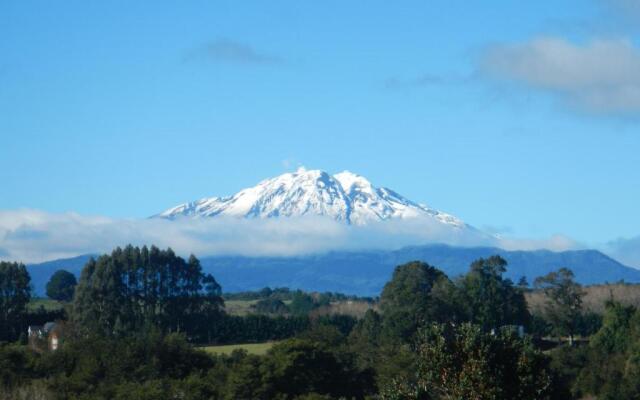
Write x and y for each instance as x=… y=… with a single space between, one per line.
x=45 y=337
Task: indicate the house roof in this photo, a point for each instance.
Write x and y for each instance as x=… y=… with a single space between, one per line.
x=49 y=326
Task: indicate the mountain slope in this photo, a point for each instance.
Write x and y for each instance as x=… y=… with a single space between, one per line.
x=42 y=272
x=345 y=197
x=366 y=272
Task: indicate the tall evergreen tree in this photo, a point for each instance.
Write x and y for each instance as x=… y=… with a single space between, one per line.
x=136 y=287
x=15 y=294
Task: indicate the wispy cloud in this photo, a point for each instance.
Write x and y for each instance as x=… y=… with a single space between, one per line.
x=33 y=236
x=291 y=163
x=627 y=250
x=553 y=243
x=498 y=230
x=231 y=52
x=600 y=77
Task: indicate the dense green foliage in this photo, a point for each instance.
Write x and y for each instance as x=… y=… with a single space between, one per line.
x=614 y=353
x=271 y=306
x=491 y=301
x=254 y=328
x=61 y=286
x=153 y=366
x=302 y=303
x=136 y=287
x=14 y=297
x=138 y=312
x=299 y=367
x=286 y=294
x=463 y=362
x=564 y=306
x=417 y=293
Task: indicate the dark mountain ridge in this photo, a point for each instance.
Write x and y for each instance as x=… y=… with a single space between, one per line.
x=366 y=272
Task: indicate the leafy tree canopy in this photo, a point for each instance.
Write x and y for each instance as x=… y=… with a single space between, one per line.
x=271 y=306
x=612 y=370
x=417 y=293
x=61 y=286
x=564 y=300
x=490 y=300
x=299 y=367
x=301 y=303
x=464 y=362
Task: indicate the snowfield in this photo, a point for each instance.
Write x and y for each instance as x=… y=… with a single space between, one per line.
x=345 y=197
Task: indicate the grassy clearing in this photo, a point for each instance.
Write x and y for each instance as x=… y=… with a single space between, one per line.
x=239 y=307
x=47 y=304
x=251 y=348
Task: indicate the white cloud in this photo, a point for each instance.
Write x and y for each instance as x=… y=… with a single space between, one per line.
x=601 y=76
x=291 y=164
x=626 y=250
x=34 y=236
x=553 y=243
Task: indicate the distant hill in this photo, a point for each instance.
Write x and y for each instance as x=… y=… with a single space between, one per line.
x=366 y=272
x=41 y=273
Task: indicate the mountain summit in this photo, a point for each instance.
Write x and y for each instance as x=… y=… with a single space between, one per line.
x=345 y=197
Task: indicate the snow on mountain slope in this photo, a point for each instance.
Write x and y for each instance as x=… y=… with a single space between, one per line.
x=345 y=197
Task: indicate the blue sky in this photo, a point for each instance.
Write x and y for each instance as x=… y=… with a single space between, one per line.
x=519 y=117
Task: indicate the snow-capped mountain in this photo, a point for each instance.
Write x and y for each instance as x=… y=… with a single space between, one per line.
x=346 y=197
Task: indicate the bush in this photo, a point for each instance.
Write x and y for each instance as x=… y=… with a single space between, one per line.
x=462 y=362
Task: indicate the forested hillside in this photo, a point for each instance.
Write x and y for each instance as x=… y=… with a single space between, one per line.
x=144 y=323
x=365 y=272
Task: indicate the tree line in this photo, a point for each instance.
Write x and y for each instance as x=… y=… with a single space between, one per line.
x=136 y=311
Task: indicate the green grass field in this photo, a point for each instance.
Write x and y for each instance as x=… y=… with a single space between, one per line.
x=48 y=304
x=238 y=307
x=251 y=348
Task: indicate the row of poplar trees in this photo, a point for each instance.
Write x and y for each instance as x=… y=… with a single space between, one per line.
x=135 y=288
